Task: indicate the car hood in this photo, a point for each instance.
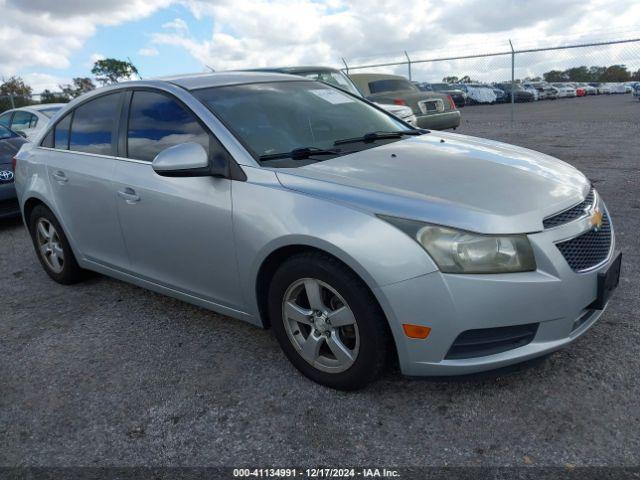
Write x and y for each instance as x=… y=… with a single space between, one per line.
x=448 y=179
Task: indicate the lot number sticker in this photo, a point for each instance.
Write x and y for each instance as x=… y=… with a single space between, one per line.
x=332 y=96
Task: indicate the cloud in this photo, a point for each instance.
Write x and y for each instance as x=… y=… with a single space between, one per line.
x=44 y=33
x=149 y=52
x=176 y=24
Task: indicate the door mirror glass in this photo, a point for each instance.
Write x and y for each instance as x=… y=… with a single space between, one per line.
x=184 y=160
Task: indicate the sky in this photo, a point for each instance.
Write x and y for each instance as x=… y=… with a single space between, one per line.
x=48 y=42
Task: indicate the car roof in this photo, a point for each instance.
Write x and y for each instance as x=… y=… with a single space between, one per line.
x=376 y=76
x=219 y=79
x=295 y=70
x=46 y=106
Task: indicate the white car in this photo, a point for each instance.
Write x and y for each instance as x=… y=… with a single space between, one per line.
x=617 y=87
x=403 y=112
x=28 y=121
x=564 y=90
x=531 y=89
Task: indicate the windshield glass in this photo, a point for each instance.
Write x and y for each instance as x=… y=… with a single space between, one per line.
x=337 y=79
x=390 y=85
x=279 y=117
x=49 y=111
x=6 y=133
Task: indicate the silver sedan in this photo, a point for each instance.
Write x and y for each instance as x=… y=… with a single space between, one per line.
x=296 y=206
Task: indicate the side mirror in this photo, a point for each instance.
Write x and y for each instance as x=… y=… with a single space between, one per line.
x=189 y=160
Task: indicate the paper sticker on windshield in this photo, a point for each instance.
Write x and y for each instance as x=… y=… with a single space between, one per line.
x=332 y=96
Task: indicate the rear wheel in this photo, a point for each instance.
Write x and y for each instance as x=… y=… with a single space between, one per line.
x=52 y=247
x=327 y=322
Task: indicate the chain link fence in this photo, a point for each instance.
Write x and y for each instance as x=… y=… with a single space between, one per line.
x=488 y=74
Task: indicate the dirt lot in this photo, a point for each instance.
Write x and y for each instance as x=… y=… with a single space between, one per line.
x=104 y=373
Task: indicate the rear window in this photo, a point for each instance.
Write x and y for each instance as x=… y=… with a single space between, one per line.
x=94 y=125
x=390 y=85
x=23 y=120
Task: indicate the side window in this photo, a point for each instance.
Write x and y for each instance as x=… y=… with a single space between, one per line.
x=61 y=135
x=21 y=121
x=94 y=125
x=5 y=119
x=156 y=122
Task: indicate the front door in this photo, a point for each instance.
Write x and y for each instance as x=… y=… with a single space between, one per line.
x=178 y=231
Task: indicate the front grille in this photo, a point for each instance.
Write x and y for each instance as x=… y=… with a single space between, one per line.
x=571 y=214
x=489 y=341
x=589 y=249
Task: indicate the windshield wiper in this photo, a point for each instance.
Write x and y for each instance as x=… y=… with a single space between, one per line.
x=300 y=153
x=380 y=135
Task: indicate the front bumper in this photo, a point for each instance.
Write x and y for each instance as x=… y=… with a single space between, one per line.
x=440 y=121
x=554 y=297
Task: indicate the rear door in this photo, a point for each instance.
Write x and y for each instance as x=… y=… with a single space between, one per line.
x=81 y=164
x=178 y=231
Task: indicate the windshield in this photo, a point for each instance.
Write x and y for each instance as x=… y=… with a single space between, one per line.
x=6 y=133
x=49 y=111
x=279 y=117
x=337 y=79
x=390 y=85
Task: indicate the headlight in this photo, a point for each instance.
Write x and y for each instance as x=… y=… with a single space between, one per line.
x=458 y=251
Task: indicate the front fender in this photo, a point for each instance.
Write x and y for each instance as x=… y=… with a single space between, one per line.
x=268 y=217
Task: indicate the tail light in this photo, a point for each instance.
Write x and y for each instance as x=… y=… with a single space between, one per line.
x=399 y=101
x=14 y=161
x=452 y=104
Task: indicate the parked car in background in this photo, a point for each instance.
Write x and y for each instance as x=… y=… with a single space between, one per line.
x=10 y=143
x=339 y=79
x=580 y=91
x=477 y=93
x=433 y=110
x=545 y=91
x=616 y=88
x=602 y=88
x=589 y=90
x=458 y=96
x=501 y=97
x=518 y=92
x=531 y=89
x=564 y=90
x=29 y=120
x=295 y=206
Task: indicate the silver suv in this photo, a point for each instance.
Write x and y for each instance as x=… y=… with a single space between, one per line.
x=294 y=205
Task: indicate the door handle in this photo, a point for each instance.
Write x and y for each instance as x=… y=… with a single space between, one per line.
x=129 y=195
x=60 y=177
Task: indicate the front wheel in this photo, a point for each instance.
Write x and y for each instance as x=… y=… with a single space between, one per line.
x=327 y=322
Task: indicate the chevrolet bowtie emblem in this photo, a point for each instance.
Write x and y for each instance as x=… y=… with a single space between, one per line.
x=596 y=219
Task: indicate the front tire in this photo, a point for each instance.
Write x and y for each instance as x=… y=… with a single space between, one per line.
x=327 y=322
x=52 y=247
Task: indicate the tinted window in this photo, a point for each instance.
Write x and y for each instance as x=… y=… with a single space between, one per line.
x=337 y=79
x=275 y=118
x=94 y=125
x=157 y=122
x=61 y=137
x=4 y=119
x=390 y=85
x=6 y=133
x=23 y=120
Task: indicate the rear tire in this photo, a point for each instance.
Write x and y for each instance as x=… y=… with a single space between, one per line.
x=52 y=247
x=318 y=306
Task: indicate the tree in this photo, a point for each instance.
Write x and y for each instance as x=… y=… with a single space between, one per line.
x=615 y=73
x=112 y=70
x=636 y=76
x=14 y=93
x=47 y=96
x=78 y=86
x=554 y=76
x=578 y=74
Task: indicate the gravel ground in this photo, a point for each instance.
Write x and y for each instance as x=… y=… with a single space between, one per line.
x=105 y=373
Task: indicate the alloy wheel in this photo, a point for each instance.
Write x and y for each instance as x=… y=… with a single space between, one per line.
x=320 y=325
x=49 y=245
